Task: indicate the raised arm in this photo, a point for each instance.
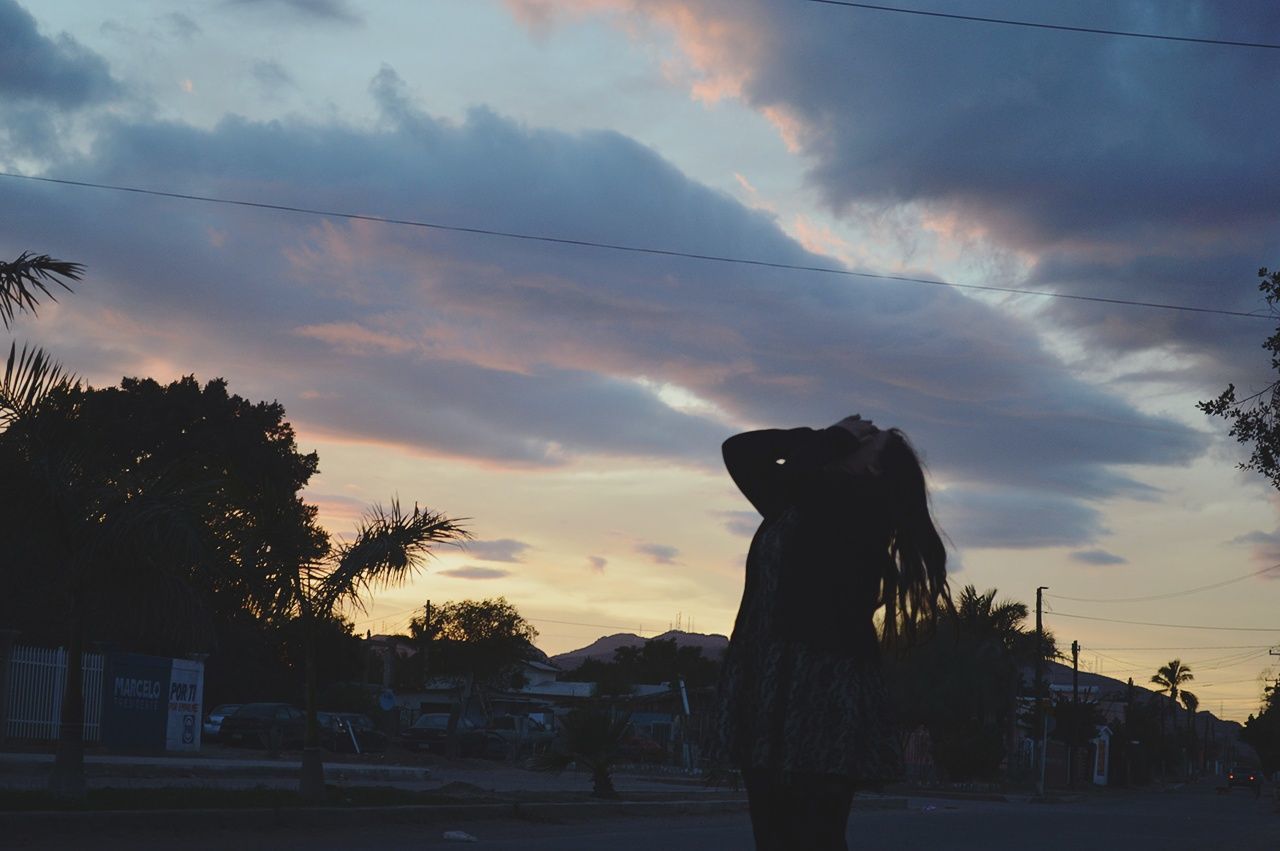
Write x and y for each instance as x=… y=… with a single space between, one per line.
x=766 y=464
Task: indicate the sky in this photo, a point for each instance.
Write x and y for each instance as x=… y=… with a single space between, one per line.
x=570 y=400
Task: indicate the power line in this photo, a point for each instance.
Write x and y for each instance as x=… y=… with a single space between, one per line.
x=1189 y=647
x=575 y=623
x=1208 y=664
x=1168 y=595
x=1040 y=25
x=633 y=249
x=386 y=617
x=1169 y=625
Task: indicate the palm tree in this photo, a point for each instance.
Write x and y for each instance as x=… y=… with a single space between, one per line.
x=31 y=374
x=1192 y=703
x=29 y=377
x=389 y=547
x=592 y=738
x=23 y=280
x=1170 y=678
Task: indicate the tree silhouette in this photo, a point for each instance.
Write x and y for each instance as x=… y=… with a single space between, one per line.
x=28 y=278
x=1255 y=420
x=389 y=548
x=593 y=738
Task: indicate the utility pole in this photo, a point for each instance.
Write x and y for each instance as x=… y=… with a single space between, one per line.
x=1040 y=719
x=426 y=644
x=1075 y=712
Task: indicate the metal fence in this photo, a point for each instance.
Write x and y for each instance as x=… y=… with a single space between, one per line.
x=37 y=681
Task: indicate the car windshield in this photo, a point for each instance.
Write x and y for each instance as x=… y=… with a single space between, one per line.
x=258 y=710
x=432 y=722
x=359 y=722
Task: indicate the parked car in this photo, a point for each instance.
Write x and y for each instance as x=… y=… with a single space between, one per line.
x=520 y=734
x=1250 y=778
x=642 y=750
x=336 y=729
x=430 y=732
x=265 y=725
x=211 y=730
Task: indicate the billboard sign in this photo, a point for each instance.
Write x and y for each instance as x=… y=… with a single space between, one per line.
x=150 y=703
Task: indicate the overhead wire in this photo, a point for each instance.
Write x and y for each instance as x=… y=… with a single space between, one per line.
x=1188 y=647
x=1167 y=595
x=1042 y=25
x=1167 y=625
x=628 y=248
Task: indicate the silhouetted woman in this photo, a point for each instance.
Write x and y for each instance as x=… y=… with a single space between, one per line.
x=846 y=530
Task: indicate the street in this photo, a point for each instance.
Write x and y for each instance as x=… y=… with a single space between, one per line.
x=1190 y=818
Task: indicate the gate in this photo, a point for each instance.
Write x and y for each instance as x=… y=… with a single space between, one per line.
x=37 y=681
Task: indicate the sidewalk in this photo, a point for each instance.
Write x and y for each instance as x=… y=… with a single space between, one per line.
x=468 y=776
x=475 y=791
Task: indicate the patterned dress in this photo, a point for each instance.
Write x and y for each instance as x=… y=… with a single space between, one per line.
x=801 y=689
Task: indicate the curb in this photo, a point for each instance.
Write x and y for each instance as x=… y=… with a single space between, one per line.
x=48 y=822
x=337 y=770
x=995 y=797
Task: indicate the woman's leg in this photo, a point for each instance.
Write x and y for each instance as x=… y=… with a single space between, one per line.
x=820 y=812
x=766 y=801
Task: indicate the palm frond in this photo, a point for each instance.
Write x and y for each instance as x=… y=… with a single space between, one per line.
x=29 y=376
x=389 y=547
x=24 y=280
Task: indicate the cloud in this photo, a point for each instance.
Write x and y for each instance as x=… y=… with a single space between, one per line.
x=531 y=355
x=182 y=26
x=271 y=75
x=597 y=563
x=1109 y=167
x=660 y=553
x=1098 y=557
x=338 y=512
x=503 y=549
x=45 y=84
x=328 y=10
x=474 y=572
x=742 y=523
x=54 y=72
x=1015 y=519
x=1264 y=548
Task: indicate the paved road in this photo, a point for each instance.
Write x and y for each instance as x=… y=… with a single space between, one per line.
x=1193 y=818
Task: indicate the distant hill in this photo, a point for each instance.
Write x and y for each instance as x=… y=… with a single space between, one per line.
x=602 y=648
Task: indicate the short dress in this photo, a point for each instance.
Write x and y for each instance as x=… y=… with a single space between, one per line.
x=801 y=689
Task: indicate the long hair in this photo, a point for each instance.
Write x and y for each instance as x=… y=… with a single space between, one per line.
x=914 y=587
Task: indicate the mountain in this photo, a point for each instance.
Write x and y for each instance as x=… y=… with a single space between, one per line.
x=602 y=648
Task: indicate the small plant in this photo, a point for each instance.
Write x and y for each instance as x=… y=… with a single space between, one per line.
x=591 y=738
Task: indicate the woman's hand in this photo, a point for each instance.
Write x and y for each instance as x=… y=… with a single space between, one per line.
x=858 y=427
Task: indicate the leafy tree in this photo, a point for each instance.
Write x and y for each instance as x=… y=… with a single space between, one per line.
x=1075 y=722
x=68 y=524
x=591 y=737
x=486 y=639
x=1255 y=419
x=962 y=684
x=478 y=641
x=1262 y=731
x=142 y=515
x=655 y=661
